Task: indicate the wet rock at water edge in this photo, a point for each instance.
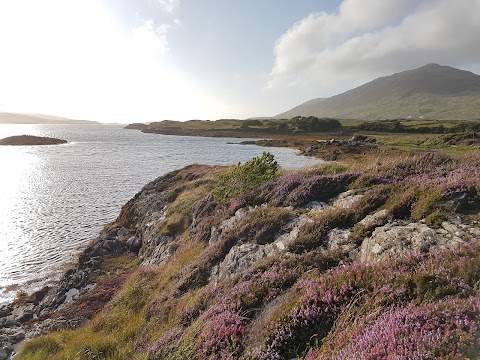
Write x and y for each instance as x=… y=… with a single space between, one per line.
x=5 y=351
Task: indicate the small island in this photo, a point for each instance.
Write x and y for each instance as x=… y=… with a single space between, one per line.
x=22 y=140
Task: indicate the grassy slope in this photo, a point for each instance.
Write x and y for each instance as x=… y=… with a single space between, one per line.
x=395 y=106
x=300 y=303
x=432 y=91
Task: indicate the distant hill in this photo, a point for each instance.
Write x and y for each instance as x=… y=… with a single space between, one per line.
x=13 y=118
x=432 y=91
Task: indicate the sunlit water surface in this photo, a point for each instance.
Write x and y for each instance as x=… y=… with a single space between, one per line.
x=54 y=199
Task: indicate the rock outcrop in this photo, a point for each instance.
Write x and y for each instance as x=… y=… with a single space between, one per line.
x=398 y=238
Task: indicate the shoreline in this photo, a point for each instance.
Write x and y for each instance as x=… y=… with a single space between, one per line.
x=327 y=146
x=323 y=146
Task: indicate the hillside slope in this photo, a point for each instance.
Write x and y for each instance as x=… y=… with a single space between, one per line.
x=13 y=118
x=374 y=259
x=432 y=91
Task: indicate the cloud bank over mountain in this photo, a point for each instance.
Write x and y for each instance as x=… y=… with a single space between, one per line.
x=363 y=39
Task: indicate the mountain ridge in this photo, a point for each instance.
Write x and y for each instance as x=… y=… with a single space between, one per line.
x=431 y=91
x=17 y=118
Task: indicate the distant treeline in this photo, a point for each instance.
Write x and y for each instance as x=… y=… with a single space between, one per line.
x=307 y=125
x=298 y=124
x=396 y=126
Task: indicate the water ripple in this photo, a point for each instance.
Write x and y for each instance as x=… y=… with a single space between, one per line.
x=55 y=199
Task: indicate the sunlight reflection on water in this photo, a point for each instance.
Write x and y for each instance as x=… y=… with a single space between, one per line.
x=55 y=199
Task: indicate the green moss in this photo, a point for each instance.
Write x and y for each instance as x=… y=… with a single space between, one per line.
x=360 y=231
x=174 y=224
x=436 y=218
x=361 y=182
x=426 y=198
x=187 y=198
x=263 y=224
x=400 y=203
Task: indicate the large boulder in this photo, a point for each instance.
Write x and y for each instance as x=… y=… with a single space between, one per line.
x=397 y=238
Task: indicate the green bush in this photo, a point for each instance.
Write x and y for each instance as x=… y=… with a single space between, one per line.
x=245 y=177
x=436 y=218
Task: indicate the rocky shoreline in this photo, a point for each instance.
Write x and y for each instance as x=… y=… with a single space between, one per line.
x=328 y=150
x=80 y=289
x=162 y=218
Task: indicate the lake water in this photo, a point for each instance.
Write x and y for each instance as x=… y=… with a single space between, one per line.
x=55 y=199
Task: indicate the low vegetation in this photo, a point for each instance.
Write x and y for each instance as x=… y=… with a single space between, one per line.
x=308 y=300
x=243 y=178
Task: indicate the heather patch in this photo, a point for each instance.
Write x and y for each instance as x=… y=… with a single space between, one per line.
x=359 y=290
x=270 y=277
x=440 y=330
x=221 y=333
x=298 y=189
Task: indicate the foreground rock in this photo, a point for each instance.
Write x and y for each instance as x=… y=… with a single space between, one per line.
x=23 y=140
x=398 y=238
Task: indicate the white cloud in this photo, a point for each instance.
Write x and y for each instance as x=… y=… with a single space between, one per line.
x=367 y=38
x=168 y=5
x=148 y=39
x=72 y=58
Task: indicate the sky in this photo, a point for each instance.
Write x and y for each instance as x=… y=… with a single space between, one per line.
x=149 y=60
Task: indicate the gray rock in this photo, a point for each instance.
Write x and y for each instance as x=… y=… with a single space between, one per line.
x=315 y=205
x=395 y=239
x=4 y=353
x=453 y=229
x=23 y=313
x=5 y=310
x=239 y=258
x=158 y=254
x=347 y=199
x=227 y=225
x=243 y=255
x=134 y=244
x=291 y=231
x=475 y=231
x=339 y=239
x=8 y=321
x=18 y=336
x=374 y=219
x=55 y=324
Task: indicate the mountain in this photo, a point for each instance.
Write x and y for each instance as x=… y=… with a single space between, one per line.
x=14 y=118
x=431 y=91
